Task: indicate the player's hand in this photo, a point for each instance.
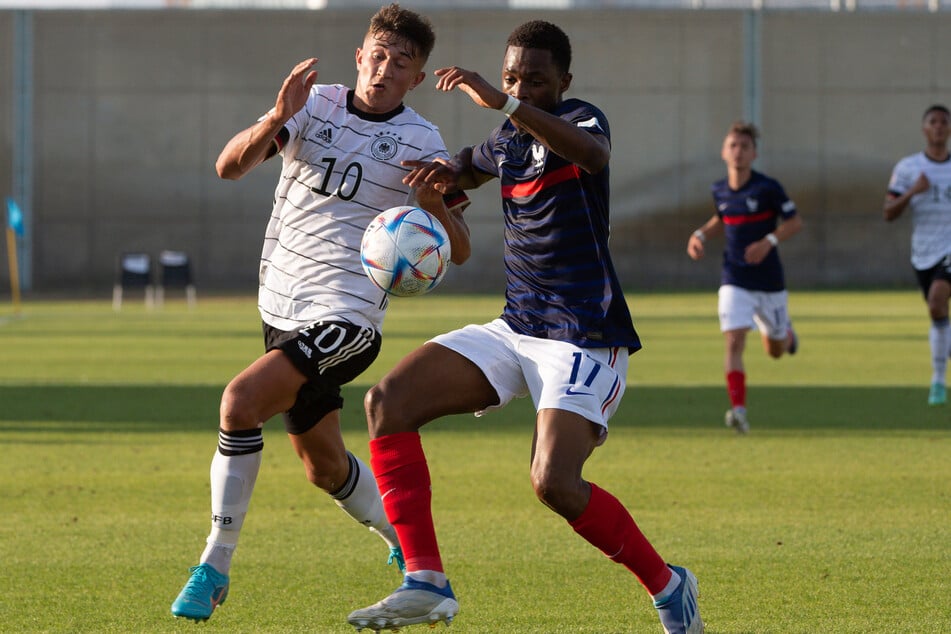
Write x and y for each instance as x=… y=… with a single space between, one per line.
x=479 y=90
x=438 y=174
x=921 y=184
x=757 y=251
x=428 y=197
x=695 y=248
x=296 y=88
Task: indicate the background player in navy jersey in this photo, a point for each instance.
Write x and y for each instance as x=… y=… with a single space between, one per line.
x=922 y=182
x=342 y=151
x=563 y=337
x=752 y=286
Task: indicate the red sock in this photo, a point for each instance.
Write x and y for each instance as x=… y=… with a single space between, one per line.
x=399 y=464
x=736 y=387
x=607 y=525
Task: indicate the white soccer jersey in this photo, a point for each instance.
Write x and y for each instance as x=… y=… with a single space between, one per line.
x=341 y=168
x=931 y=210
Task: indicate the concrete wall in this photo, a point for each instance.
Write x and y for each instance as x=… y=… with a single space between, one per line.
x=132 y=107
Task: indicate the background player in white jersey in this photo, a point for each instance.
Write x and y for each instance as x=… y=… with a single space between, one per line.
x=342 y=151
x=752 y=284
x=563 y=337
x=922 y=182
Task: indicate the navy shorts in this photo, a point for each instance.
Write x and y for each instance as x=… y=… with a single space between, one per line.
x=940 y=271
x=329 y=354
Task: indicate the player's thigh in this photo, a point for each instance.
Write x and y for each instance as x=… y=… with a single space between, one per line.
x=265 y=388
x=772 y=315
x=562 y=443
x=939 y=290
x=736 y=307
x=431 y=382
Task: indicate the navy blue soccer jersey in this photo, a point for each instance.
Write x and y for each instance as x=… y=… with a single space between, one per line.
x=748 y=214
x=560 y=279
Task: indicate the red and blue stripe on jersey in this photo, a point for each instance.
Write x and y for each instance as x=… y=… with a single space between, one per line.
x=748 y=214
x=560 y=280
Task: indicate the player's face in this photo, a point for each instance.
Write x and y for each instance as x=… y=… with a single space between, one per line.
x=738 y=151
x=387 y=69
x=936 y=128
x=530 y=75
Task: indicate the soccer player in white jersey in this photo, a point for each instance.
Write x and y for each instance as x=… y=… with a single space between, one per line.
x=922 y=182
x=755 y=214
x=342 y=155
x=563 y=338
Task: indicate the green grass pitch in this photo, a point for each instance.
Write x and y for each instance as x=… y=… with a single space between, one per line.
x=833 y=515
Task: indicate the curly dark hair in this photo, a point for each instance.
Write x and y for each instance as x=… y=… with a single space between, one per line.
x=546 y=36
x=405 y=25
x=936 y=108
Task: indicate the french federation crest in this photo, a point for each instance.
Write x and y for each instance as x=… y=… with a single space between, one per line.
x=384 y=148
x=752 y=205
x=538 y=156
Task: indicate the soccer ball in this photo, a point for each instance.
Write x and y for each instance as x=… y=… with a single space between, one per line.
x=405 y=251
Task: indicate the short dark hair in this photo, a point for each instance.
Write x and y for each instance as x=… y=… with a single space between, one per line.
x=406 y=25
x=545 y=36
x=936 y=108
x=745 y=128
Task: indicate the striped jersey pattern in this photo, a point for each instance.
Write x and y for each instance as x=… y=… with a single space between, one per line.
x=748 y=214
x=930 y=210
x=341 y=167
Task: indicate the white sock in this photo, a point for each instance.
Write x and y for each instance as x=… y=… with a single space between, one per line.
x=938 y=338
x=433 y=577
x=669 y=588
x=359 y=498
x=232 y=482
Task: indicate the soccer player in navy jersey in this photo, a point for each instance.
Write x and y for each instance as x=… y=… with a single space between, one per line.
x=922 y=182
x=342 y=151
x=756 y=215
x=563 y=338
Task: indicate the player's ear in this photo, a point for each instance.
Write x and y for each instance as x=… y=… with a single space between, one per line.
x=565 y=82
x=359 y=56
x=419 y=79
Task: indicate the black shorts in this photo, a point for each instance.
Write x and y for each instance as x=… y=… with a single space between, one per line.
x=940 y=271
x=329 y=354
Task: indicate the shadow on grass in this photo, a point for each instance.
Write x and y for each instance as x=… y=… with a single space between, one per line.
x=195 y=408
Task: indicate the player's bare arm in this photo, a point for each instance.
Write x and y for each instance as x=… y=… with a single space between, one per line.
x=695 y=244
x=757 y=251
x=590 y=152
x=896 y=205
x=430 y=199
x=446 y=176
x=250 y=147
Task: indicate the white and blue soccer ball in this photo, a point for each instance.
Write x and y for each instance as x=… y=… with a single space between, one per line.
x=405 y=251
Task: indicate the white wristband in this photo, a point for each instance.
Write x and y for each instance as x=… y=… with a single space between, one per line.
x=772 y=239
x=700 y=235
x=511 y=105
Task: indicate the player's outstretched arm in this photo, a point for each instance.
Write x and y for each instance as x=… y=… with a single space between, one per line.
x=590 y=152
x=250 y=147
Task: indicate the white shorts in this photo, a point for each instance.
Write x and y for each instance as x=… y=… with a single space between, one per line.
x=557 y=375
x=740 y=309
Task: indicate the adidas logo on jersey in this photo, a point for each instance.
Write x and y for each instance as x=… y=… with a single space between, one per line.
x=326 y=135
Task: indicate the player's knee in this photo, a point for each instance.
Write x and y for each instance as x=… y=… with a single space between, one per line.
x=388 y=410
x=237 y=410
x=558 y=493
